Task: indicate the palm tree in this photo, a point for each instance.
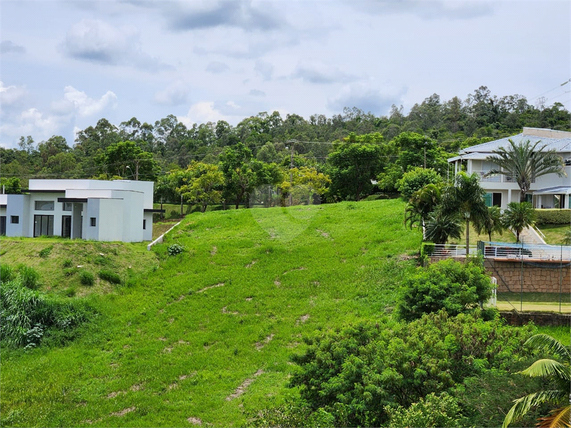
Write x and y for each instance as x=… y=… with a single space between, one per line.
x=559 y=373
x=466 y=197
x=492 y=223
x=421 y=204
x=525 y=162
x=518 y=216
x=440 y=227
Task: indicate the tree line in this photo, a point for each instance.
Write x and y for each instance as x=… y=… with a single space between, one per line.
x=345 y=156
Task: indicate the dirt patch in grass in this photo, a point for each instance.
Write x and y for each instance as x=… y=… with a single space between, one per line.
x=220 y=284
x=124 y=412
x=242 y=388
x=268 y=339
x=194 y=421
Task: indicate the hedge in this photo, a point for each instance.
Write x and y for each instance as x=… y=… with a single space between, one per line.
x=553 y=216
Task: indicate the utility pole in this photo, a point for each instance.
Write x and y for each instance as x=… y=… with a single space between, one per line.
x=291 y=174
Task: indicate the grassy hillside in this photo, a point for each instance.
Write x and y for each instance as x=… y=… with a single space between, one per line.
x=60 y=261
x=206 y=337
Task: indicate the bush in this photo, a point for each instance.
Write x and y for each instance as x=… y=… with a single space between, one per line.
x=432 y=411
x=28 y=316
x=448 y=284
x=110 y=276
x=355 y=373
x=46 y=252
x=553 y=216
x=175 y=249
x=28 y=277
x=416 y=179
x=6 y=273
x=86 y=278
x=67 y=263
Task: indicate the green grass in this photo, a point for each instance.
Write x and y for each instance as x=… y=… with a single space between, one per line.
x=554 y=233
x=60 y=268
x=547 y=302
x=229 y=311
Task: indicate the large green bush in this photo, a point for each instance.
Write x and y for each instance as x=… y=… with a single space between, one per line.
x=357 y=373
x=450 y=285
x=553 y=216
x=416 y=179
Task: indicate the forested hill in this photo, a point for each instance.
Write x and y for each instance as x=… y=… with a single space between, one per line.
x=445 y=127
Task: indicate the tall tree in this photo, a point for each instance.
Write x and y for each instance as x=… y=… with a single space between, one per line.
x=465 y=196
x=353 y=166
x=525 y=162
x=204 y=184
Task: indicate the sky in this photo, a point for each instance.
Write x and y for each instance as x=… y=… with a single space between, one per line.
x=66 y=64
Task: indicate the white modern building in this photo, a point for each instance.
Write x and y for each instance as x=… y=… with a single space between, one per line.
x=548 y=191
x=99 y=210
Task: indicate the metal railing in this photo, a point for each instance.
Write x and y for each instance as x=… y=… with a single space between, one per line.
x=504 y=250
x=449 y=250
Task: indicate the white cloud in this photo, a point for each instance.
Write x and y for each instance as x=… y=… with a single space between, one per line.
x=96 y=41
x=217 y=67
x=257 y=93
x=11 y=95
x=78 y=103
x=174 y=94
x=433 y=9
x=202 y=112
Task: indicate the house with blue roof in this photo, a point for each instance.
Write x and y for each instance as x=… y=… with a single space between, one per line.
x=548 y=191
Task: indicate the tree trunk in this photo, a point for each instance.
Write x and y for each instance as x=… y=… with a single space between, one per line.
x=467 y=237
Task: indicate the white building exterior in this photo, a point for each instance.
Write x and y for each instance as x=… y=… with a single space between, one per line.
x=99 y=210
x=548 y=191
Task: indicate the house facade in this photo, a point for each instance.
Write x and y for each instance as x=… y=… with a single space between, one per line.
x=98 y=210
x=548 y=191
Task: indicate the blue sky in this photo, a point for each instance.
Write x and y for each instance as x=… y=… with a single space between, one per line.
x=66 y=64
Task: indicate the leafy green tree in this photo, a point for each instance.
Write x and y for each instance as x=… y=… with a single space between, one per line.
x=203 y=184
x=465 y=196
x=353 y=166
x=11 y=185
x=307 y=184
x=518 y=216
x=558 y=373
x=240 y=178
x=415 y=179
x=450 y=285
x=126 y=159
x=525 y=162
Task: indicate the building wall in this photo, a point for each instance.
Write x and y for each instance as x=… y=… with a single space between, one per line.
x=110 y=219
x=148 y=231
x=57 y=211
x=17 y=205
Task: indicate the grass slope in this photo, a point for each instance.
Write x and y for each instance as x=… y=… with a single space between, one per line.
x=206 y=338
x=64 y=259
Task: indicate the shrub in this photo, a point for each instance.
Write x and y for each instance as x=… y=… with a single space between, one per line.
x=6 y=273
x=46 y=252
x=110 y=276
x=86 y=278
x=553 y=216
x=69 y=271
x=27 y=316
x=432 y=411
x=67 y=263
x=29 y=277
x=448 y=284
x=416 y=179
x=356 y=372
x=175 y=249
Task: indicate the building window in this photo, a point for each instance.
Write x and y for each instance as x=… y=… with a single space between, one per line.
x=93 y=221
x=15 y=219
x=67 y=206
x=44 y=205
x=43 y=225
x=144 y=224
